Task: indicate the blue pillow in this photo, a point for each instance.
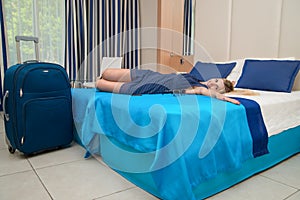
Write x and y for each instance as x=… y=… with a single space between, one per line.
x=205 y=71
x=270 y=75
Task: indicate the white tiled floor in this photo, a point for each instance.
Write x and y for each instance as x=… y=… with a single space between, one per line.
x=65 y=174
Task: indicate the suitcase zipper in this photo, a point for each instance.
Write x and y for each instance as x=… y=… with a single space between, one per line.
x=22 y=140
x=21 y=92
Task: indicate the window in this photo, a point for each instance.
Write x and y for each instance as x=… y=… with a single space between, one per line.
x=40 y=18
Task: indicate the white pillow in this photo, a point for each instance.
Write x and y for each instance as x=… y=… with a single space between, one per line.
x=236 y=71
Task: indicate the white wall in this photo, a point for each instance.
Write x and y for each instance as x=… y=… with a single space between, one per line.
x=212 y=28
x=290 y=29
x=231 y=29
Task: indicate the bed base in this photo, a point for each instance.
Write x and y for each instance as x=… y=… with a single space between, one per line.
x=281 y=147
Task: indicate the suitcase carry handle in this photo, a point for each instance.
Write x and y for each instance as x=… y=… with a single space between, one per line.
x=30 y=61
x=26 y=38
x=6 y=115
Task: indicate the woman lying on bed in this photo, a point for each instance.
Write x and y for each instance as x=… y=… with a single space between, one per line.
x=137 y=81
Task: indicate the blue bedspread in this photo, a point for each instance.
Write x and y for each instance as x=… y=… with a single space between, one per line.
x=180 y=140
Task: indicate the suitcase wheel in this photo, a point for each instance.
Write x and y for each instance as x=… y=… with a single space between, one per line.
x=11 y=150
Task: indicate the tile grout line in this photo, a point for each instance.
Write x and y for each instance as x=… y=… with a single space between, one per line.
x=13 y=173
x=44 y=186
x=58 y=164
x=291 y=195
x=277 y=181
x=16 y=172
x=114 y=193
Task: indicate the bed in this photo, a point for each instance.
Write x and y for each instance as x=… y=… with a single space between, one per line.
x=189 y=146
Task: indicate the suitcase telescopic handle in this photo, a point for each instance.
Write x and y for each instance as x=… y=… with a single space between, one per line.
x=6 y=115
x=27 y=38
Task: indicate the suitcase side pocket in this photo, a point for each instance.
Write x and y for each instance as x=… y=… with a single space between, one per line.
x=47 y=124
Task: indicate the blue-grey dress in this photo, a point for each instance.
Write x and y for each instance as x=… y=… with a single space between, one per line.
x=150 y=82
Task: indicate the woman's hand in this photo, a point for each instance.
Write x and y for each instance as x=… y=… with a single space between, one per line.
x=211 y=93
x=225 y=98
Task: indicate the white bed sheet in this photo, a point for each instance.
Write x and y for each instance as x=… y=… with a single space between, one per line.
x=281 y=111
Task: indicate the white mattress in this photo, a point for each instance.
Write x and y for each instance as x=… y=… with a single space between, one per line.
x=281 y=111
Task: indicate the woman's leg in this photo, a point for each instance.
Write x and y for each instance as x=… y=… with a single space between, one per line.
x=117 y=75
x=108 y=86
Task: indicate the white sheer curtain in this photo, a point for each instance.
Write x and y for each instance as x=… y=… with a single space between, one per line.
x=188 y=27
x=41 y=18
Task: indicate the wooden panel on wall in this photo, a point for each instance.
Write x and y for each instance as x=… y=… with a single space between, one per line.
x=165 y=23
x=290 y=29
x=170 y=37
x=212 y=29
x=255 y=28
x=164 y=36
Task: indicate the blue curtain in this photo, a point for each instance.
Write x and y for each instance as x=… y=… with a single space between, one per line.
x=97 y=29
x=188 y=28
x=3 y=48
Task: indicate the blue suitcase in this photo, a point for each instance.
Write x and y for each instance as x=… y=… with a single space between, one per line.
x=37 y=107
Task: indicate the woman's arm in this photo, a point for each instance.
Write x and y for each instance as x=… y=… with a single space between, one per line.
x=108 y=86
x=207 y=92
